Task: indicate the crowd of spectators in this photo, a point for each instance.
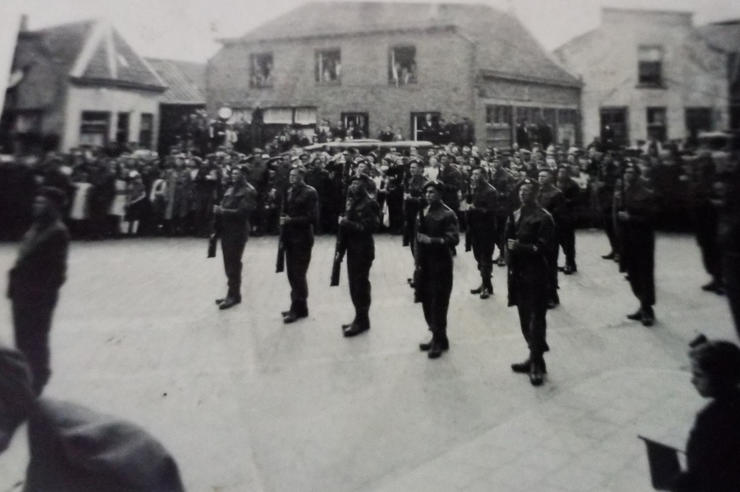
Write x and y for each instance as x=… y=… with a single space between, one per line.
x=141 y=193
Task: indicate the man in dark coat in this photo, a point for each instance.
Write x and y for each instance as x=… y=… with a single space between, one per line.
x=635 y=215
x=566 y=231
x=604 y=188
x=297 y=227
x=504 y=184
x=35 y=280
x=551 y=199
x=482 y=229
x=705 y=218
x=74 y=449
x=237 y=205
x=529 y=239
x=436 y=235
x=357 y=227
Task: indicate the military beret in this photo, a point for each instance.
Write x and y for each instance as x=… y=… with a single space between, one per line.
x=433 y=184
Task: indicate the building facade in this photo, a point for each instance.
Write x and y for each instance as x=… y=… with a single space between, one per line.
x=77 y=85
x=725 y=36
x=647 y=74
x=371 y=65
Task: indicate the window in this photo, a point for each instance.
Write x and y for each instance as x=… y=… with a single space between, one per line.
x=260 y=70
x=402 y=65
x=650 y=66
x=122 y=128
x=567 y=127
x=656 y=123
x=328 y=66
x=355 y=124
x=146 y=130
x=698 y=120
x=94 y=128
x=614 y=126
x=425 y=126
x=290 y=116
x=498 y=116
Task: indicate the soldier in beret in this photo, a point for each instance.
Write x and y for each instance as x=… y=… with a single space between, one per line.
x=529 y=240
x=436 y=235
x=35 y=280
x=482 y=229
x=357 y=226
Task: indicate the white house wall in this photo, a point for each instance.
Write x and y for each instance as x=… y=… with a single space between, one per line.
x=113 y=100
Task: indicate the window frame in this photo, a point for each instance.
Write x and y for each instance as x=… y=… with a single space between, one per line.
x=643 y=65
x=255 y=57
x=318 y=56
x=391 y=58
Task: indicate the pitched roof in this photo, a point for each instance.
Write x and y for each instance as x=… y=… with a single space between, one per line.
x=185 y=80
x=92 y=51
x=505 y=47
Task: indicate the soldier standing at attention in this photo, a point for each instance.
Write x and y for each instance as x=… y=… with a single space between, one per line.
x=357 y=227
x=482 y=229
x=529 y=239
x=436 y=235
x=297 y=222
x=239 y=201
x=635 y=216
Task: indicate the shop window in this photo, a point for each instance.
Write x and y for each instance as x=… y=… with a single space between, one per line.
x=94 y=128
x=328 y=66
x=122 y=128
x=425 y=126
x=650 y=66
x=498 y=116
x=402 y=65
x=356 y=124
x=656 y=123
x=260 y=70
x=146 y=130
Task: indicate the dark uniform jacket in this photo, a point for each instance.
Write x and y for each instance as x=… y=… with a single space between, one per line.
x=439 y=221
x=571 y=195
x=243 y=201
x=363 y=219
x=504 y=184
x=41 y=267
x=414 y=187
x=528 y=264
x=301 y=205
x=452 y=182
x=482 y=218
x=553 y=200
x=73 y=449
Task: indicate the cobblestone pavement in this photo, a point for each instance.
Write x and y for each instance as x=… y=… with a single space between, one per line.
x=246 y=403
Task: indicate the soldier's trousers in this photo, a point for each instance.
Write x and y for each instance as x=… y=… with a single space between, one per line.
x=639 y=261
x=532 y=320
x=32 y=323
x=567 y=239
x=483 y=253
x=297 y=259
x=607 y=218
x=358 y=272
x=232 y=247
x=436 y=280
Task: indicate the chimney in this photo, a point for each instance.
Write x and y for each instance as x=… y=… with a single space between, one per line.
x=23 y=23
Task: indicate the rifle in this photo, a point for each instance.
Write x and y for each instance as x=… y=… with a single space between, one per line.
x=340 y=249
x=215 y=234
x=280 y=263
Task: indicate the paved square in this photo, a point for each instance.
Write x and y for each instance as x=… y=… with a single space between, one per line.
x=246 y=403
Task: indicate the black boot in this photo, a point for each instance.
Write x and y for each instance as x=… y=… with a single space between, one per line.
x=537 y=371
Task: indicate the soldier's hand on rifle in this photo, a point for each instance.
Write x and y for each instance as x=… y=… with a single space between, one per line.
x=343 y=221
x=217 y=209
x=423 y=238
x=623 y=215
x=284 y=219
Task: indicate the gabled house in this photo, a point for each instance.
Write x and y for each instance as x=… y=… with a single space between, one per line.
x=405 y=65
x=80 y=84
x=647 y=75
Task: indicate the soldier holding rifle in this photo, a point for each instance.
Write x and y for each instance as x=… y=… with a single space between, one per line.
x=296 y=224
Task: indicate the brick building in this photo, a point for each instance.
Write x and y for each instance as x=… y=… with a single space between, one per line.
x=373 y=64
x=79 y=84
x=647 y=73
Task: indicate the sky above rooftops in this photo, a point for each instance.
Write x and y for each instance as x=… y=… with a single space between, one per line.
x=187 y=29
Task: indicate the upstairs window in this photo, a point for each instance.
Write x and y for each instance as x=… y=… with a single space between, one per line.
x=402 y=65
x=260 y=70
x=650 y=66
x=146 y=130
x=328 y=66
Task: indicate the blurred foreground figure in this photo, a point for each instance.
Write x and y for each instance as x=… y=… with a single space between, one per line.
x=73 y=449
x=35 y=280
x=713 y=449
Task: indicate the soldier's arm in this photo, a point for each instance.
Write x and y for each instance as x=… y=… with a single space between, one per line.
x=308 y=211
